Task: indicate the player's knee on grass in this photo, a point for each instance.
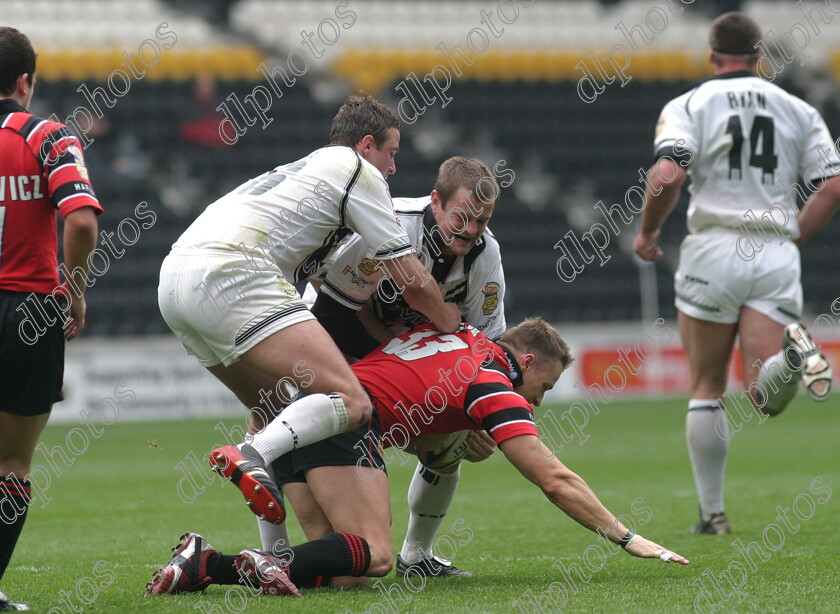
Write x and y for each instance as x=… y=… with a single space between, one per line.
x=381 y=559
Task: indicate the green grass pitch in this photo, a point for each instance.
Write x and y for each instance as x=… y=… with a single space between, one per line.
x=115 y=513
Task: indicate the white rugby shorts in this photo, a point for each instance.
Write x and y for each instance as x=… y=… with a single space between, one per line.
x=722 y=271
x=220 y=305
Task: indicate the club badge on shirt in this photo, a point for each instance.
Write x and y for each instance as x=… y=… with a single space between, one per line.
x=80 y=162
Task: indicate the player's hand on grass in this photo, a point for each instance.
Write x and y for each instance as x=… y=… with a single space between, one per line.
x=644 y=245
x=646 y=549
x=479 y=446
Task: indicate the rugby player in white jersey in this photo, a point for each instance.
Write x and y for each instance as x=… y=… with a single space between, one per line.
x=448 y=231
x=226 y=288
x=745 y=143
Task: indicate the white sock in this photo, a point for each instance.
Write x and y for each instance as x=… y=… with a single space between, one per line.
x=707 y=435
x=429 y=497
x=274 y=537
x=307 y=420
x=780 y=380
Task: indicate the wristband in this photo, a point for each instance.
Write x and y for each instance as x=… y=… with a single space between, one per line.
x=629 y=539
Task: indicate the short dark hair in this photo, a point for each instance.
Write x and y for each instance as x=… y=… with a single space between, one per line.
x=735 y=34
x=359 y=116
x=470 y=173
x=536 y=336
x=17 y=57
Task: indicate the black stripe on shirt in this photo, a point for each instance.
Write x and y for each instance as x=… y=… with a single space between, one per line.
x=477 y=391
x=511 y=414
x=71 y=188
x=492 y=366
x=383 y=254
x=65 y=158
x=314 y=260
x=684 y=158
x=48 y=150
x=342 y=205
x=29 y=125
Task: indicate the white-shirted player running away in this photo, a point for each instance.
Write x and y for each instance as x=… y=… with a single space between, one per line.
x=226 y=288
x=745 y=143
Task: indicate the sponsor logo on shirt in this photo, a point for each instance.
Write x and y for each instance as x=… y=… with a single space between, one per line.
x=491 y=298
x=367 y=266
x=355 y=278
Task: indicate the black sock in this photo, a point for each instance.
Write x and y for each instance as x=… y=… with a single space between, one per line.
x=336 y=554
x=220 y=568
x=15 y=496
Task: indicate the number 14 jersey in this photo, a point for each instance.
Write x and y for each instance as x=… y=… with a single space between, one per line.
x=745 y=143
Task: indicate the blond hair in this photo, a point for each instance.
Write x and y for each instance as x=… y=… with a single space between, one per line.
x=536 y=336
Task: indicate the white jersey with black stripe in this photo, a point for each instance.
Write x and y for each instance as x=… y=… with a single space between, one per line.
x=746 y=143
x=295 y=214
x=475 y=282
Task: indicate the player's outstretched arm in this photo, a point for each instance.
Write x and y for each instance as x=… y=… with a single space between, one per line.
x=662 y=191
x=819 y=209
x=422 y=292
x=570 y=493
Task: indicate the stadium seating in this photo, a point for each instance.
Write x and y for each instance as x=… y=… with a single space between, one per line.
x=518 y=102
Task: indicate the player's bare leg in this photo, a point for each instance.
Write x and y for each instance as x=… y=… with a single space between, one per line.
x=334 y=401
x=305 y=353
x=246 y=382
x=18 y=437
x=766 y=363
x=356 y=504
x=356 y=500
x=708 y=346
x=314 y=522
x=778 y=358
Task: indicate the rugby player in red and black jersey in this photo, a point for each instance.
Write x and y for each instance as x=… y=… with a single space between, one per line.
x=41 y=171
x=422 y=383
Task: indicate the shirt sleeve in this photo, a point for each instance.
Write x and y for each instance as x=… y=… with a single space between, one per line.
x=370 y=213
x=675 y=133
x=64 y=167
x=352 y=277
x=491 y=404
x=484 y=306
x=820 y=157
